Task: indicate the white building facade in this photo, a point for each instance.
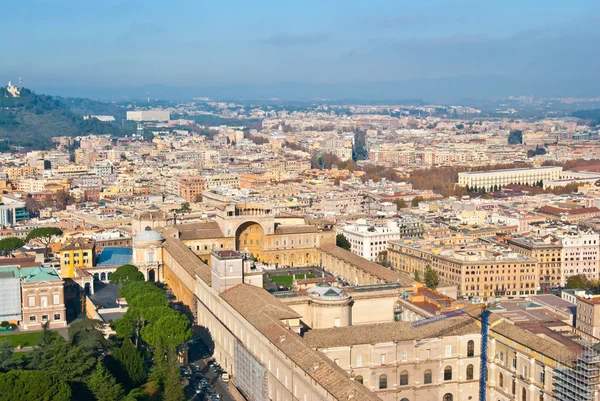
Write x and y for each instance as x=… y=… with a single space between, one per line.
x=368 y=240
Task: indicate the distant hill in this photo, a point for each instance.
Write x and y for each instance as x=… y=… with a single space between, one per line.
x=31 y=120
x=593 y=116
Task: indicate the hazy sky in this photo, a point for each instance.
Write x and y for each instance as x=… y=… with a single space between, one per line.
x=108 y=43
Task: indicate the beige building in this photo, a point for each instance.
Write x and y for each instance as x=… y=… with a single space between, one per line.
x=547 y=251
x=588 y=314
x=477 y=269
x=438 y=361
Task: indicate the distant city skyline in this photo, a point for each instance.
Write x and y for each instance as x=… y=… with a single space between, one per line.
x=433 y=50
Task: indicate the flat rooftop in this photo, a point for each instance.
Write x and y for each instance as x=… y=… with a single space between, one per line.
x=523 y=311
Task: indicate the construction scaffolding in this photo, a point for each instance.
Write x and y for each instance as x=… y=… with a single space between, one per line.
x=580 y=382
x=250 y=376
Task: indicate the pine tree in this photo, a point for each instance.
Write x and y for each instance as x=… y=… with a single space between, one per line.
x=103 y=385
x=173 y=387
x=160 y=369
x=132 y=363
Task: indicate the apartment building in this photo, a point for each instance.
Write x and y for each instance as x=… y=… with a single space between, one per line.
x=499 y=178
x=588 y=314
x=579 y=254
x=76 y=253
x=477 y=269
x=191 y=187
x=548 y=252
x=369 y=240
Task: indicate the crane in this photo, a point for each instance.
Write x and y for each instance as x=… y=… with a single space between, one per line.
x=472 y=310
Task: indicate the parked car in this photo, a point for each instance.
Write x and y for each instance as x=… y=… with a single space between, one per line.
x=225 y=377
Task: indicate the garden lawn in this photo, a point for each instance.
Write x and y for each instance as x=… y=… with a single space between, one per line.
x=25 y=339
x=288 y=280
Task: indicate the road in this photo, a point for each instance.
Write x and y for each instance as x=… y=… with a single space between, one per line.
x=220 y=387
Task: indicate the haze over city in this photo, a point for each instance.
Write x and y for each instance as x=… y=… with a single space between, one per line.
x=433 y=50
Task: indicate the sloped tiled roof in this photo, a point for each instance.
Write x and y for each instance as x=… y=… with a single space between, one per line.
x=372 y=268
x=265 y=312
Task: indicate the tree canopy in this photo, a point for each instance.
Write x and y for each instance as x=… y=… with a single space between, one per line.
x=32 y=385
x=44 y=235
x=9 y=244
x=431 y=278
x=342 y=242
x=126 y=274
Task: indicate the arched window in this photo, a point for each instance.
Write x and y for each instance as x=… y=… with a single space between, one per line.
x=427 y=379
x=382 y=382
x=448 y=397
x=448 y=373
x=514 y=387
x=404 y=378
x=523 y=395
x=404 y=399
x=470 y=372
x=359 y=379
x=471 y=348
x=501 y=380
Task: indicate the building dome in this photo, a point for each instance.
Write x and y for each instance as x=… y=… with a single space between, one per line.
x=148 y=235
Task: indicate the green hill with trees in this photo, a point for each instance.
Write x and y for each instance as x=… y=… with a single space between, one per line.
x=32 y=120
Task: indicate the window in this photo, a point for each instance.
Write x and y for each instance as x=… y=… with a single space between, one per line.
x=525 y=372
x=501 y=380
x=448 y=397
x=336 y=322
x=470 y=372
x=404 y=355
x=44 y=302
x=501 y=357
x=57 y=316
x=32 y=319
x=448 y=373
x=404 y=378
x=448 y=350
x=55 y=299
x=382 y=382
x=514 y=387
x=471 y=348
x=542 y=376
x=514 y=363
x=383 y=359
x=31 y=301
x=427 y=379
x=359 y=379
x=358 y=360
x=44 y=318
x=404 y=399
x=523 y=395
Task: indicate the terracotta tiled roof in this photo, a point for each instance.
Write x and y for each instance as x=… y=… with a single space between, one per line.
x=188 y=259
x=372 y=268
x=199 y=231
x=265 y=312
x=389 y=332
x=78 y=243
x=558 y=211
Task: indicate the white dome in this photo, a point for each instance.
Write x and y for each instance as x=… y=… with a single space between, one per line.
x=148 y=235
